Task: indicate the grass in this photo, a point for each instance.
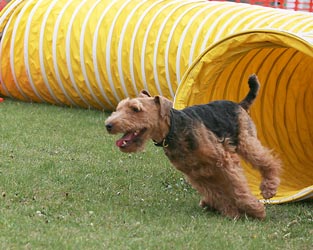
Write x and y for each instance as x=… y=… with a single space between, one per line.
x=64 y=185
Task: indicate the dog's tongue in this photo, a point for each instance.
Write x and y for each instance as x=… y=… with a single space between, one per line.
x=126 y=138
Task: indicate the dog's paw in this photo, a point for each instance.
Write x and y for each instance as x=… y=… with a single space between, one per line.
x=269 y=188
x=259 y=213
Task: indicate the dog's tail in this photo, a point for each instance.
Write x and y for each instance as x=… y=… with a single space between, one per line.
x=254 y=86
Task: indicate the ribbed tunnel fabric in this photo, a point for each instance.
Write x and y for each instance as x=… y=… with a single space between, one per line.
x=282 y=110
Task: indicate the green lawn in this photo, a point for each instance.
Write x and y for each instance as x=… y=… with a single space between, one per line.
x=64 y=185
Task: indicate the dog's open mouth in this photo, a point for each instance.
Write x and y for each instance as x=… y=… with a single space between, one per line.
x=129 y=138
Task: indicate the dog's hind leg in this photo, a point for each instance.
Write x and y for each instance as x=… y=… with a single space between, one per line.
x=261 y=158
x=236 y=187
x=227 y=190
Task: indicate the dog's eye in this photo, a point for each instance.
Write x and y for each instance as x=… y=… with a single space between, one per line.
x=135 y=109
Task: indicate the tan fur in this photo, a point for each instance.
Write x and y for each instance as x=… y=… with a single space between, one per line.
x=213 y=168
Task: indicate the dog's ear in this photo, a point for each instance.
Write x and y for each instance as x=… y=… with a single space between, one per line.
x=144 y=93
x=165 y=105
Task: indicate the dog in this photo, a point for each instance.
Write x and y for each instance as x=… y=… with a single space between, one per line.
x=204 y=142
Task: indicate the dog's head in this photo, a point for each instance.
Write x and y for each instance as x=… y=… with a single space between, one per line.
x=139 y=119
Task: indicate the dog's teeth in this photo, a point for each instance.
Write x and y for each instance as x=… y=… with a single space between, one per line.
x=137 y=132
x=124 y=143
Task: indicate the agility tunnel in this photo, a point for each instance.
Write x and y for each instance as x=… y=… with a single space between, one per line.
x=93 y=53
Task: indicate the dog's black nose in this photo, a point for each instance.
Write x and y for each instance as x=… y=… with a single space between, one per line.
x=109 y=127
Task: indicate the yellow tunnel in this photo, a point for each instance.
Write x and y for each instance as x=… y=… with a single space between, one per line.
x=93 y=53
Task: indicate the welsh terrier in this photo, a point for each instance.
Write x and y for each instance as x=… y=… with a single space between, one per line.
x=204 y=142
